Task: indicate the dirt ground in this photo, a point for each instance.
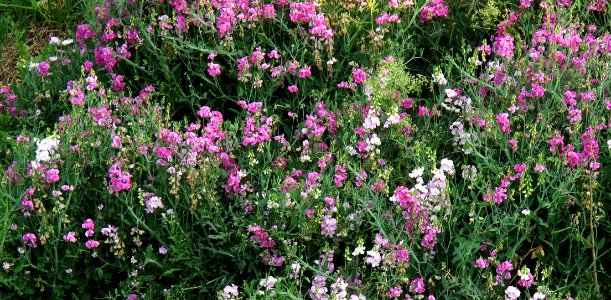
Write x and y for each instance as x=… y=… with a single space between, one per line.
x=11 y=51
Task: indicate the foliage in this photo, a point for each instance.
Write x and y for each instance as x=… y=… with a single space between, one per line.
x=324 y=150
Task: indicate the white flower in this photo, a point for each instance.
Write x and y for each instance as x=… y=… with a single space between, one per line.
x=46 y=148
x=372 y=121
x=451 y=93
x=447 y=166
x=416 y=173
x=392 y=119
x=54 y=41
x=67 y=42
x=268 y=283
x=512 y=293
x=439 y=78
x=153 y=203
x=358 y=251
x=229 y=292
x=374 y=140
x=526 y=212
x=538 y=296
x=609 y=144
x=374 y=257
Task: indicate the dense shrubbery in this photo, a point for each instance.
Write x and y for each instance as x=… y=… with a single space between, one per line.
x=327 y=150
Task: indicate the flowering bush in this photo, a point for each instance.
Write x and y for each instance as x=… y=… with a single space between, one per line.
x=306 y=149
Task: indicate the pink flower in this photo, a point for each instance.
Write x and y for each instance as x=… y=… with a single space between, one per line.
x=70 y=237
x=503 y=45
x=502 y=120
x=117 y=83
x=88 y=66
x=293 y=89
x=417 y=286
x=512 y=293
x=328 y=226
x=434 y=8
x=526 y=279
x=119 y=179
x=88 y=224
x=30 y=240
x=43 y=68
x=92 y=244
x=116 y=142
x=359 y=76
x=481 y=263
x=305 y=72
x=214 y=69
x=52 y=175
x=395 y=292
x=513 y=144
x=107 y=231
x=504 y=268
x=163 y=250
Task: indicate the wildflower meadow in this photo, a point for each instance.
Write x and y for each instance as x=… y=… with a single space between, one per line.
x=291 y=149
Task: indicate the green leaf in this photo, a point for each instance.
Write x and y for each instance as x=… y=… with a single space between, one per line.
x=600 y=244
x=169 y=272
